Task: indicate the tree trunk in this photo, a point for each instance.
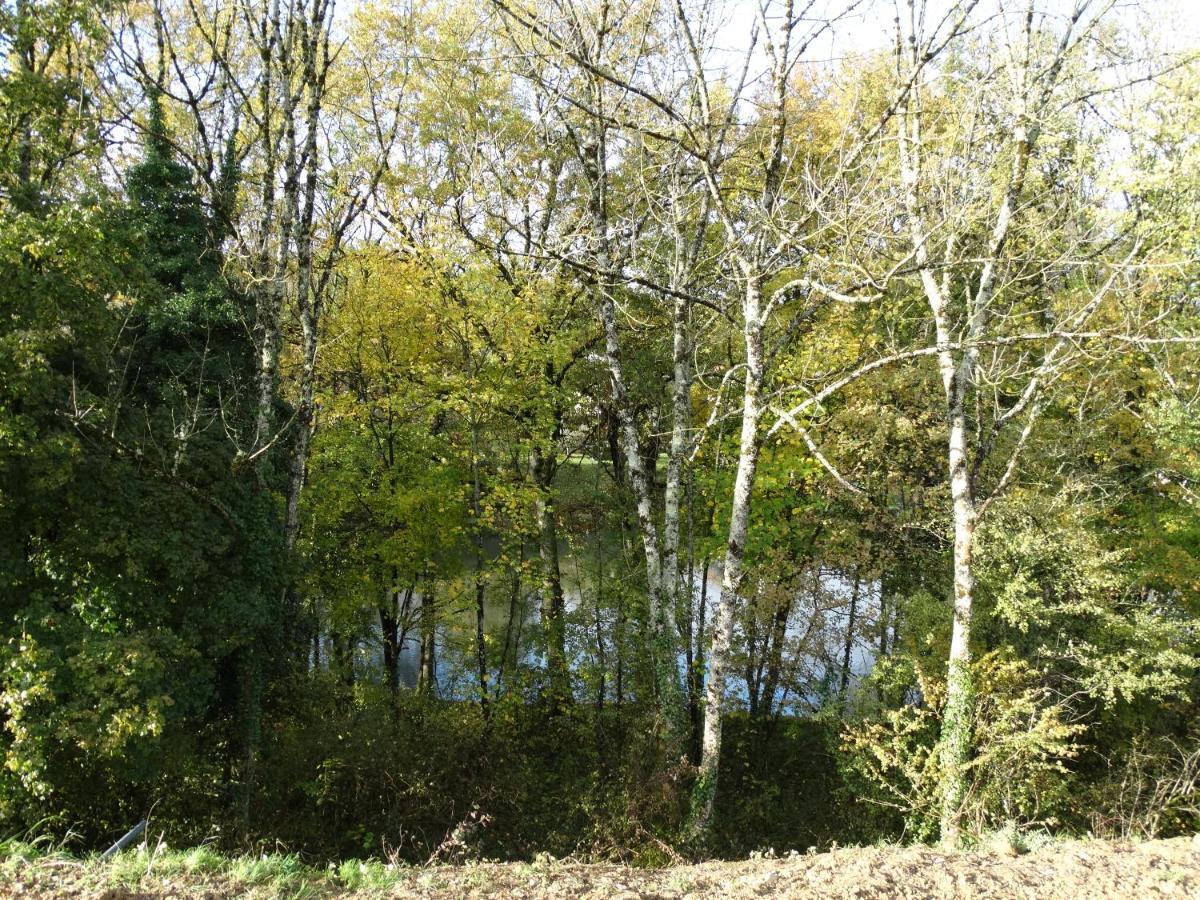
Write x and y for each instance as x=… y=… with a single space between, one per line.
x=270 y=297
x=480 y=581
x=343 y=657
x=249 y=713
x=601 y=656
x=848 y=648
x=389 y=625
x=696 y=669
x=308 y=301
x=885 y=646
x=427 y=674
x=956 y=719
x=514 y=596
x=667 y=694
x=754 y=659
x=681 y=408
x=739 y=520
x=480 y=642
x=660 y=644
x=775 y=658
x=683 y=272
x=553 y=608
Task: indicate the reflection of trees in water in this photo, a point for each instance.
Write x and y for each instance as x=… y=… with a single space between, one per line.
x=800 y=644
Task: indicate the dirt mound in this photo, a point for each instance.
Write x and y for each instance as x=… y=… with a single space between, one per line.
x=1075 y=870
x=1071 y=871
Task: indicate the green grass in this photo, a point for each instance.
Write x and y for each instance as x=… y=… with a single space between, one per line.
x=366 y=874
x=282 y=873
x=151 y=863
x=16 y=852
x=1011 y=839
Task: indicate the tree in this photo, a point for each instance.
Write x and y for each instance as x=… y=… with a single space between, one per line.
x=1013 y=253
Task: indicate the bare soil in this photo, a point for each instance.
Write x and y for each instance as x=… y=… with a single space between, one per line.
x=1074 y=870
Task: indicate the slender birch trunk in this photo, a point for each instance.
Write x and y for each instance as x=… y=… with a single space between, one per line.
x=956 y=719
x=277 y=46
x=314 y=67
x=668 y=697
x=696 y=683
x=686 y=252
x=731 y=581
x=661 y=645
x=680 y=409
x=1033 y=84
x=956 y=375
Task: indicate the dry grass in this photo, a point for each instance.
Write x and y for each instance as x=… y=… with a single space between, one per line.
x=1070 y=870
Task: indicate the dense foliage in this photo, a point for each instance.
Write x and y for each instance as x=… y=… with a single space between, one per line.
x=421 y=429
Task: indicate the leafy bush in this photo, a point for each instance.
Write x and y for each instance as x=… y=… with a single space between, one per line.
x=1023 y=738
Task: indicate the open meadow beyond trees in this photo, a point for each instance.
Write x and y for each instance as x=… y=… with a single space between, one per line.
x=677 y=438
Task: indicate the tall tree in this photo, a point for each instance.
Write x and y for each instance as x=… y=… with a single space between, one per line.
x=1015 y=260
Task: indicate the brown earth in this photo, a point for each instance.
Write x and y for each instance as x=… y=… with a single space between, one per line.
x=1075 y=870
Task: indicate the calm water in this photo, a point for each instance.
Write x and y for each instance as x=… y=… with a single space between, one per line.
x=815 y=641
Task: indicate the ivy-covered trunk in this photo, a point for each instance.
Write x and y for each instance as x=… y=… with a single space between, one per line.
x=956 y=721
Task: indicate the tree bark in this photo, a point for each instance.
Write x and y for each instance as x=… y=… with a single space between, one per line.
x=848 y=648
x=427 y=674
x=739 y=521
x=389 y=626
x=777 y=639
x=660 y=645
x=315 y=62
x=956 y=719
x=510 y=639
x=696 y=679
x=594 y=156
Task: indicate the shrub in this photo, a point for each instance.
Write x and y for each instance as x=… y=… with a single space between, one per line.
x=1023 y=737
x=1152 y=790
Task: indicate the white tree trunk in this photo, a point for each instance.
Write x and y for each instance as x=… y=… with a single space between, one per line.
x=731 y=582
x=662 y=658
x=680 y=414
x=956 y=719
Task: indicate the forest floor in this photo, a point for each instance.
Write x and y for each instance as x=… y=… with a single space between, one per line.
x=1071 y=870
